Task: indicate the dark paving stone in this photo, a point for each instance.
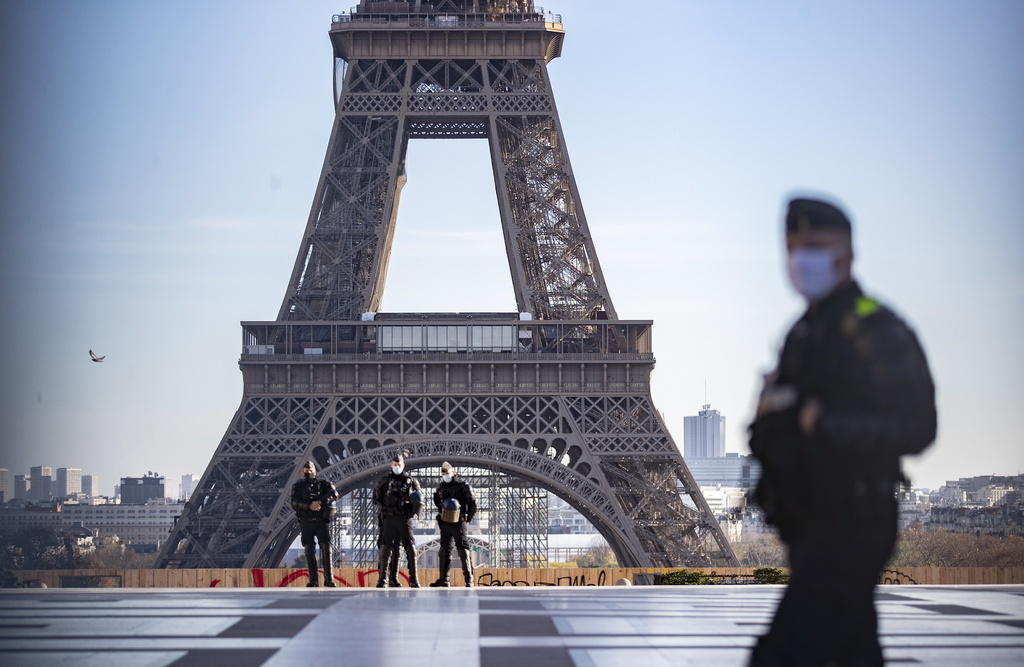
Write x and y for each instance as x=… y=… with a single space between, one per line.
x=310 y=602
x=507 y=625
x=956 y=610
x=893 y=597
x=507 y=604
x=519 y=656
x=235 y=657
x=269 y=627
x=78 y=598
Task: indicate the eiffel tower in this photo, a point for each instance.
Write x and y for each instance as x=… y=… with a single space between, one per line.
x=557 y=393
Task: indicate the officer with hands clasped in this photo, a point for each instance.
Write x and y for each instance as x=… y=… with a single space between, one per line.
x=850 y=395
x=456 y=505
x=313 y=501
x=399 y=498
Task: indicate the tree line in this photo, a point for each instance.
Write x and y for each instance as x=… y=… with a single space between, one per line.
x=916 y=547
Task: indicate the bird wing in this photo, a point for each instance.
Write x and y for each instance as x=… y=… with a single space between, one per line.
x=95 y=358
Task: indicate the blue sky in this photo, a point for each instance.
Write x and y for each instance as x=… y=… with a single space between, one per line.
x=160 y=160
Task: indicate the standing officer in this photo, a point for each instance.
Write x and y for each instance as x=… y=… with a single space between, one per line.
x=399 y=499
x=850 y=395
x=456 y=506
x=313 y=502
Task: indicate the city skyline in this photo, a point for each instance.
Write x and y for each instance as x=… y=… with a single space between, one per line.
x=156 y=188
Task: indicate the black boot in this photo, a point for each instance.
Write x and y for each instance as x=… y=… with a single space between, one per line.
x=414 y=581
x=444 y=564
x=314 y=576
x=382 y=567
x=328 y=571
x=467 y=567
x=393 y=581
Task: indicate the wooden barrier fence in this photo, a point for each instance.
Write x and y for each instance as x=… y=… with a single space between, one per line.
x=363 y=578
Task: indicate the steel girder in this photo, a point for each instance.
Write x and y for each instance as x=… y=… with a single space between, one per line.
x=608 y=456
x=342 y=262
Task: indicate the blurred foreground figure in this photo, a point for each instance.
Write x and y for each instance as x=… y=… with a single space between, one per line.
x=850 y=395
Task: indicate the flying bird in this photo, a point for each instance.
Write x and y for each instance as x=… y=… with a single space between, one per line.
x=95 y=358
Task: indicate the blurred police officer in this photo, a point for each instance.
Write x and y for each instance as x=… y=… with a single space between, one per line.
x=851 y=394
x=456 y=507
x=313 y=502
x=399 y=498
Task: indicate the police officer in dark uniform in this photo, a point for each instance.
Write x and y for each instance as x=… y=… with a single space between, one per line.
x=851 y=394
x=456 y=507
x=399 y=498
x=313 y=502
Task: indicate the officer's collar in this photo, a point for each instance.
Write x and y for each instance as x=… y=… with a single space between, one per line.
x=837 y=299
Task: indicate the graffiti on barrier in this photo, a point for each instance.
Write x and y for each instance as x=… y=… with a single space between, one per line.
x=259 y=580
x=894 y=577
x=488 y=579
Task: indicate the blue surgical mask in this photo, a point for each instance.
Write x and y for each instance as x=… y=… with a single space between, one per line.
x=813 y=272
x=446 y=478
x=397 y=469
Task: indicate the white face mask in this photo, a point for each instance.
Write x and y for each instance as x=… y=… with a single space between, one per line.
x=812 y=272
x=397 y=469
x=446 y=478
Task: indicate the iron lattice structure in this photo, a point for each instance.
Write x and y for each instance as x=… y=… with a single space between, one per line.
x=559 y=397
x=514 y=510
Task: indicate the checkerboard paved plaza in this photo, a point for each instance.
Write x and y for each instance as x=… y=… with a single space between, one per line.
x=490 y=627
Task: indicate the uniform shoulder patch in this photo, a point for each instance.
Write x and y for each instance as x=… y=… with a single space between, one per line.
x=866 y=306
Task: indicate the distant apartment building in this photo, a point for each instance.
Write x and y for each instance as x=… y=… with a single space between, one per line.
x=999 y=521
x=22 y=487
x=982 y=490
x=564 y=520
x=5 y=485
x=143 y=527
x=91 y=485
x=13 y=519
x=138 y=490
x=729 y=505
x=42 y=481
x=187 y=486
x=69 y=482
x=731 y=470
x=704 y=434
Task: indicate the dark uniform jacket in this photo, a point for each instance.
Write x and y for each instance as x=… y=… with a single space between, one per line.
x=393 y=494
x=462 y=492
x=867 y=370
x=305 y=492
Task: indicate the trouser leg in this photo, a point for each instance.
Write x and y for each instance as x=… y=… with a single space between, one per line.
x=444 y=564
x=467 y=567
x=827 y=615
x=324 y=538
x=307 y=536
x=444 y=555
x=467 y=562
x=393 y=566
x=410 y=554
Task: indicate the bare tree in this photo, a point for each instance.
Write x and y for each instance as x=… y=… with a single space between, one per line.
x=762 y=551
